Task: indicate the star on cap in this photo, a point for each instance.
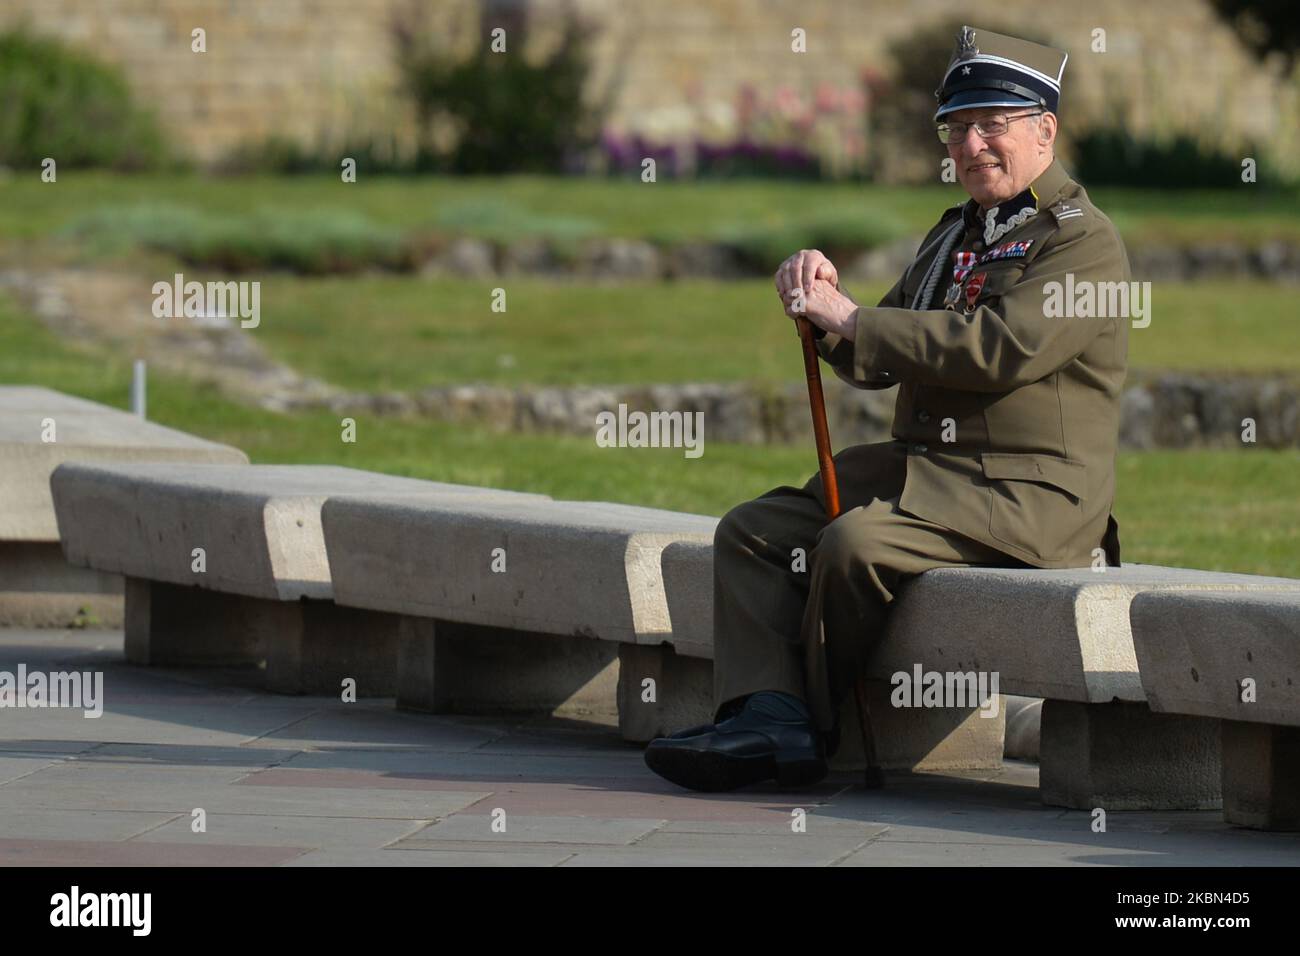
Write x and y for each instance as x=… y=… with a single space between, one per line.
x=965 y=71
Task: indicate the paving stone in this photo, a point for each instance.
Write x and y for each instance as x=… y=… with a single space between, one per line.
x=249 y=829
x=525 y=828
x=472 y=764
x=397 y=856
x=14 y=766
x=363 y=727
x=993 y=854
x=729 y=849
x=204 y=725
x=245 y=758
x=180 y=790
x=48 y=823
x=82 y=853
x=568 y=797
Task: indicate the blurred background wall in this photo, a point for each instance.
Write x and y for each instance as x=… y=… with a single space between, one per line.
x=674 y=71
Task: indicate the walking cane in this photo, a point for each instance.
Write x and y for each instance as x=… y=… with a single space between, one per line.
x=873 y=777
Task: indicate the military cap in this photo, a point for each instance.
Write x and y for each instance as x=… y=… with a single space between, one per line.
x=989 y=69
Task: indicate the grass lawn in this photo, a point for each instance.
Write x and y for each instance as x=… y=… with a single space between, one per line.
x=575 y=207
x=436 y=332
x=1220 y=510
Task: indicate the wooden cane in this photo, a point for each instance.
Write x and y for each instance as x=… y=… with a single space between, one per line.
x=873 y=777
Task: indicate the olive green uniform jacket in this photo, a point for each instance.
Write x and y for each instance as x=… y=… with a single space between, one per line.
x=1009 y=410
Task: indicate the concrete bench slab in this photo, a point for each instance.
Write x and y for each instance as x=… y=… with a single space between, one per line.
x=1062 y=635
x=584 y=574
x=39 y=430
x=227 y=564
x=1234 y=658
x=564 y=567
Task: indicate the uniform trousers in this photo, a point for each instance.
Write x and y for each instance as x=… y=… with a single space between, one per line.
x=806 y=627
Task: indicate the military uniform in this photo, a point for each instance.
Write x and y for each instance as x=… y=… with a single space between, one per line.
x=1003 y=452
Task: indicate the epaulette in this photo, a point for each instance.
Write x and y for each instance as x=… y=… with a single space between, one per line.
x=1066 y=209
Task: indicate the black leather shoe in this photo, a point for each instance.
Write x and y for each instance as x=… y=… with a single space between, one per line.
x=771 y=738
x=693 y=731
x=730 y=709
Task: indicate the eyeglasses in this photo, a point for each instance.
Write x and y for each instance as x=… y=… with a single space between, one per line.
x=988 y=127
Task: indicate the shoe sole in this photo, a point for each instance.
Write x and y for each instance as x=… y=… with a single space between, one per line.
x=710 y=772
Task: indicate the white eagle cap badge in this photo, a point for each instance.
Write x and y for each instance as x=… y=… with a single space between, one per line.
x=966 y=47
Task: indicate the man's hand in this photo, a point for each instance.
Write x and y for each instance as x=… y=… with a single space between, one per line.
x=801 y=269
x=824 y=306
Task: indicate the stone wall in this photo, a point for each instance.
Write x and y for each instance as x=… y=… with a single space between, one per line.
x=302 y=67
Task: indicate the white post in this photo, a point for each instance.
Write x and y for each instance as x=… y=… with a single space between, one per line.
x=137 y=388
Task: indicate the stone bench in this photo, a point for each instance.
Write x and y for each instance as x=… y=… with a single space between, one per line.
x=512 y=605
x=258 y=588
x=1061 y=635
x=37 y=587
x=1234 y=659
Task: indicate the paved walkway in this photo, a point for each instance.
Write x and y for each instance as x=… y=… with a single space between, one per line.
x=310 y=781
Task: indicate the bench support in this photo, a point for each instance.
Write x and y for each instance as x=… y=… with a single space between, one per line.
x=1122 y=756
x=1261 y=775
x=452 y=668
x=683 y=691
x=330 y=643
x=309 y=647
x=38 y=588
x=920 y=738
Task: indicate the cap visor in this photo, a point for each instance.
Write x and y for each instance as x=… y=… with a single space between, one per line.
x=970 y=99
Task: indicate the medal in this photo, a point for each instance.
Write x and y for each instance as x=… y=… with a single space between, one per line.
x=973 y=286
x=965 y=260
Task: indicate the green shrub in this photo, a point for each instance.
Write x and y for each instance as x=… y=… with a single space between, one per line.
x=60 y=103
x=840 y=237
x=311 y=243
x=495 y=218
x=1114 y=156
x=379 y=154
x=504 y=113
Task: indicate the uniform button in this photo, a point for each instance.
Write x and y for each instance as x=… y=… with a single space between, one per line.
x=978 y=247
x=923 y=416
x=920 y=449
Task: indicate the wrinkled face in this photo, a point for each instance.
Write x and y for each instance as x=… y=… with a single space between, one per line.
x=994 y=170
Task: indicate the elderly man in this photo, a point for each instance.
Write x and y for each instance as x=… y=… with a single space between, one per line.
x=1005 y=431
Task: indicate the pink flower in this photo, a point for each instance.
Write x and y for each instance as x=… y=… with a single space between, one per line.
x=787 y=102
x=828 y=99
